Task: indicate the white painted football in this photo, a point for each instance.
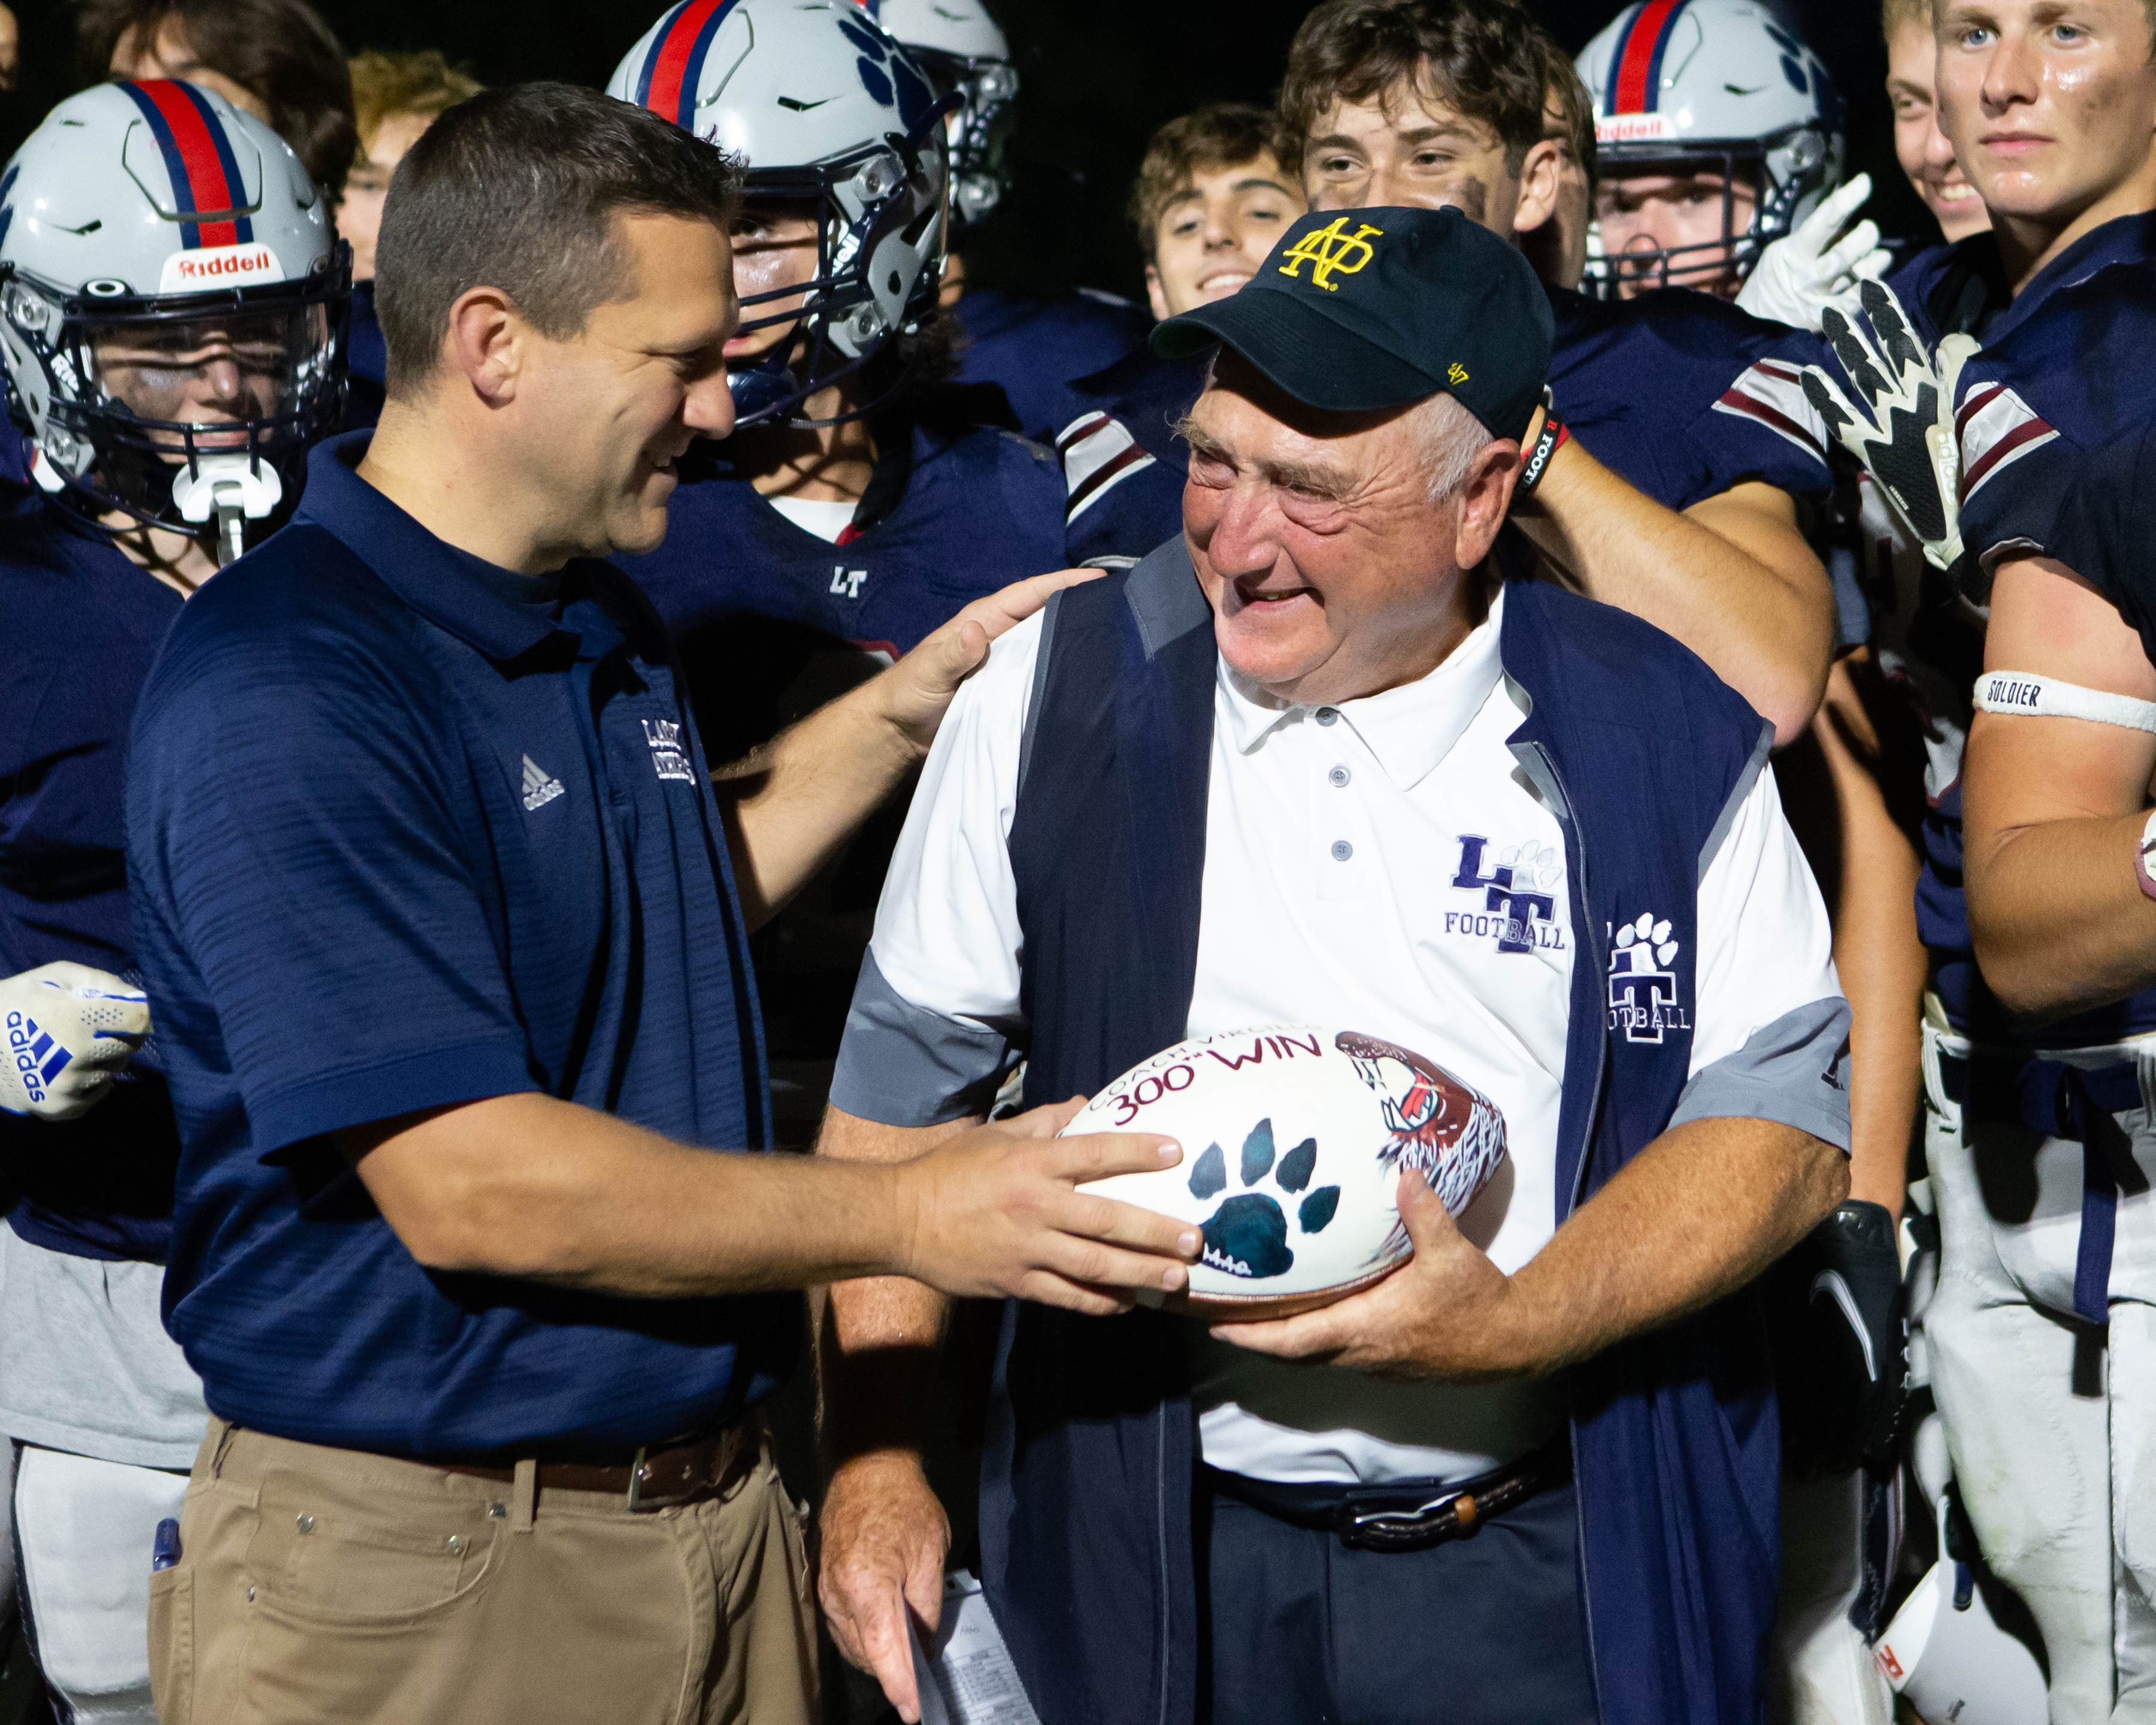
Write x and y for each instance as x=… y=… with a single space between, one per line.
x=1293 y=1139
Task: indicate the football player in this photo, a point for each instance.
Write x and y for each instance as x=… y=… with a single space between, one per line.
x=1026 y=345
x=1717 y=184
x=1213 y=194
x=859 y=503
x=396 y=97
x=1672 y=487
x=2051 y=117
x=170 y=362
x=1720 y=136
x=275 y=59
x=854 y=498
x=1919 y=146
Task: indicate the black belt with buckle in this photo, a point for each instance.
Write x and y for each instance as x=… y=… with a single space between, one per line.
x=1404 y=1515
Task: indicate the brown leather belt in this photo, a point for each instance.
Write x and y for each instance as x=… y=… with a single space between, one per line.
x=660 y=1479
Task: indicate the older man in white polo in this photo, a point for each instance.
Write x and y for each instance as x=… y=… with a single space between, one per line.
x=1313 y=761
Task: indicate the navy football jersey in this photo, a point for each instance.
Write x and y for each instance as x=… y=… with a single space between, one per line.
x=1684 y=396
x=952 y=512
x=83 y=624
x=2063 y=375
x=1031 y=347
x=769 y=621
x=1124 y=466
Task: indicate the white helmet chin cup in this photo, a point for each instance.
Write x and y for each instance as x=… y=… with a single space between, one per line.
x=1711 y=86
x=218 y=483
x=1953 y=1661
x=829 y=111
x=154 y=215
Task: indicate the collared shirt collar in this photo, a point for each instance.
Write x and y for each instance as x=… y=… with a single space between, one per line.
x=1409 y=729
x=471 y=599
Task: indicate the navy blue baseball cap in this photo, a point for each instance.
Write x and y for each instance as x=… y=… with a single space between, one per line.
x=1361 y=310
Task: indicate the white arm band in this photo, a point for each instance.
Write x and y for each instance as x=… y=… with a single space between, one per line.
x=2008 y=691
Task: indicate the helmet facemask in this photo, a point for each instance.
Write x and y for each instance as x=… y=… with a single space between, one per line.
x=979 y=130
x=1787 y=173
x=175 y=410
x=882 y=217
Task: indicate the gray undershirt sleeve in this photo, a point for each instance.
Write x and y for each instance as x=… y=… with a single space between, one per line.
x=1794 y=1070
x=902 y=1065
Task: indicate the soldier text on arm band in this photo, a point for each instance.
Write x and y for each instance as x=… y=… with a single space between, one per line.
x=2011 y=691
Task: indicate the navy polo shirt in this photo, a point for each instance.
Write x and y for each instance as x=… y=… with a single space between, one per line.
x=405 y=830
x=83 y=625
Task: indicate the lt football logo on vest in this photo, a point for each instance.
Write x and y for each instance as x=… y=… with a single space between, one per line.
x=1643 y=989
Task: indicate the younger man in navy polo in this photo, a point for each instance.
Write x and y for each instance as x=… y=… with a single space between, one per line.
x=445 y=930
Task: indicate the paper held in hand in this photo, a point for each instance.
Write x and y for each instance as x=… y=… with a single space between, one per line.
x=965 y=1677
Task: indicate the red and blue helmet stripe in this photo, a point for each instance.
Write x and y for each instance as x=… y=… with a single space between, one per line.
x=199 y=157
x=1635 y=69
x=675 y=67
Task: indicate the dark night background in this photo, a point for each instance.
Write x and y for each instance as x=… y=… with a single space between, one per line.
x=1097 y=78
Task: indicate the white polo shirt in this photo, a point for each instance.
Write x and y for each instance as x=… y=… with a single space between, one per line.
x=1384 y=863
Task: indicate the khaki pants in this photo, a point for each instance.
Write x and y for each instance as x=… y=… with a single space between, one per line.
x=325 y=1586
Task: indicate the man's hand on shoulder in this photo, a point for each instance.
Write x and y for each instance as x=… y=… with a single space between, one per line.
x=917 y=690
x=1443 y=1315
x=67 y=1029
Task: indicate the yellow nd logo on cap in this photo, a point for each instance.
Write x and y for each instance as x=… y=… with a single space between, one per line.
x=1330 y=252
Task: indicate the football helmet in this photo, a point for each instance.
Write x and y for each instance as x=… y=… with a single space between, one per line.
x=1711 y=86
x=831 y=113
x=962 y=49
x=172 y=309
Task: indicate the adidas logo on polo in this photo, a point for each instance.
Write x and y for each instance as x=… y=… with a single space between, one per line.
x=540 y=787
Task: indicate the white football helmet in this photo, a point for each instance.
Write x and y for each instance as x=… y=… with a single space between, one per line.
x=1718 y=86
x=172 y=308
x=829 y=111
x=962 y=49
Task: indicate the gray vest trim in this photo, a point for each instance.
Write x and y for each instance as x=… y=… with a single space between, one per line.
x=1048 y=616
x=1794 y=1070
x=902 y=1065
x=1737 y=793
x=1536 y=765
x=1164 y=597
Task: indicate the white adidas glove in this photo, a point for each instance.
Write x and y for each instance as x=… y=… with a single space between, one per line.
x=65 y=1030
x=1897 y=416
x=1805 y=271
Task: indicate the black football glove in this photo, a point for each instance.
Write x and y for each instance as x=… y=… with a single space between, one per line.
x=1855 y=1296
x=1841 y=1341
x=1896 y=414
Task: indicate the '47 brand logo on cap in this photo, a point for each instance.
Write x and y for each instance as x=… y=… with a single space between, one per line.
x=1331 y=251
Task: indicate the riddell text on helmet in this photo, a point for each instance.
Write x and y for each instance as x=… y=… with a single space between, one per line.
x=214 y=266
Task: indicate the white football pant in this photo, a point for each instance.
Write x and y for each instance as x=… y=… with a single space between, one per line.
x=87 y=1529
x=1824 y=1672
x=2052 y=1431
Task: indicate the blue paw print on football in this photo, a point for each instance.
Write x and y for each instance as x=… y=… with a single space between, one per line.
x=1248 y=1234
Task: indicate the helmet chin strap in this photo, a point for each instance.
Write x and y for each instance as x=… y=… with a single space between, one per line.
x=235 y=488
